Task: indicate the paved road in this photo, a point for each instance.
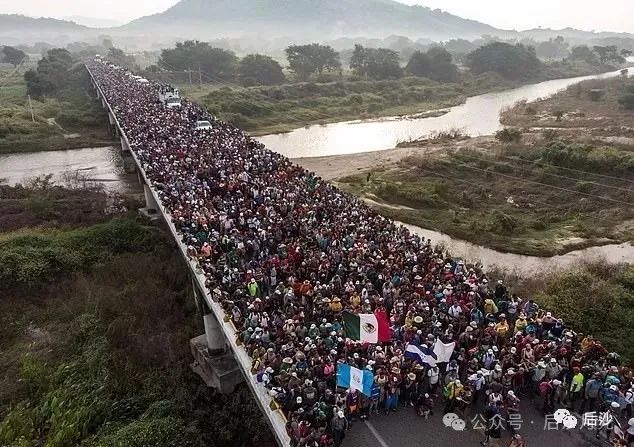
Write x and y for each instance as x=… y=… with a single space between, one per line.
x=406 y=429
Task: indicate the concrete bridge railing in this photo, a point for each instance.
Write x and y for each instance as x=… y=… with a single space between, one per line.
x=220 y=333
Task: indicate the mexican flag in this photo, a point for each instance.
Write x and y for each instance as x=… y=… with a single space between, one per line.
x=367 y=328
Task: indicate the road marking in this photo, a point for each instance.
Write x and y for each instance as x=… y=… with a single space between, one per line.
x=376 y=434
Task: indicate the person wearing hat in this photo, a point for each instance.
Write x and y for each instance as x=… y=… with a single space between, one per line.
x=335 y=305
x=424 y=405
x=433 y=379
x=453 y=391
x=408 y=390
x=576 y=387
x=339 y=424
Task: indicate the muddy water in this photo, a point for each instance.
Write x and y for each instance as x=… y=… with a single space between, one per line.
x=103 y=165
x=525 y=265
x=478 y=116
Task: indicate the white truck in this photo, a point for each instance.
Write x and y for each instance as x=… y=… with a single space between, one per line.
x=170 y=98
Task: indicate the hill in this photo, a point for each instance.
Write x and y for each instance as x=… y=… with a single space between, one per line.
x=310 y=19
x=16 y=29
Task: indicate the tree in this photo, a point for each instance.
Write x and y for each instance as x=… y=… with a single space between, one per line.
x=419 y=65
x=54 y=73
x=556 y=48
x=12 y=55
x=442 y=66
x=306 y=60
x=195 y=55
x=260 y=69
x=608 y=53
x=584 y=53
x=118 y=57
x=511 y=61
x=377 y=63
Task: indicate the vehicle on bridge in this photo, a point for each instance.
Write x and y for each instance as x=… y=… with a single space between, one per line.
x=203 y=125
x=170 y=97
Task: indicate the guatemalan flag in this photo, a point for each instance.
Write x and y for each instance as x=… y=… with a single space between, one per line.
x=367 y=328
x=354 y=378
x=421 y=354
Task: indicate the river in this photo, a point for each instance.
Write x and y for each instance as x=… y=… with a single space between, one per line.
x=479 y=115
x=102 y=165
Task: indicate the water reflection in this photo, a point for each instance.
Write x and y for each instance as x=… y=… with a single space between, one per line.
x=478 y=116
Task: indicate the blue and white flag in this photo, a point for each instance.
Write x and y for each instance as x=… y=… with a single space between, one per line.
x=421 y=354
x=444 y=351
x=355 y=378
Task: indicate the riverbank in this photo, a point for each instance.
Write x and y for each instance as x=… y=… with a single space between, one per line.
x=70 y=120
x=591 y=108
x=497 y=195
x=264 y=110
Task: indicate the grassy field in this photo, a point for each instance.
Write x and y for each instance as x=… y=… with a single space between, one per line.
x=73 y=119
x=575 y=110
x=532 y=198
x=281 y=108
x=95 y=322
x=269 y=109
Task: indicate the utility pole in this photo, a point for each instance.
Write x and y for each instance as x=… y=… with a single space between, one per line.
x=189 y=70
x=31 y=108
x=200 y=76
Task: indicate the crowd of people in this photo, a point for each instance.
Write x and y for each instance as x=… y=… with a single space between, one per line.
x=291 y=252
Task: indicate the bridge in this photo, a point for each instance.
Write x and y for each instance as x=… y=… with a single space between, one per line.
x=221 y=362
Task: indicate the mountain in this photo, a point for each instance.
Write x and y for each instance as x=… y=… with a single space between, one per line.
x=94 y=22
x=306 y=19
x=16 y=29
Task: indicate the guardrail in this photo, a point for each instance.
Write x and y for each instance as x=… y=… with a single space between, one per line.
x=275 y=418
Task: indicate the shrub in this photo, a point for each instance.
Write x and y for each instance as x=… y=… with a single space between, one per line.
x=509 y=135
x=627 y=101
x=29 y=260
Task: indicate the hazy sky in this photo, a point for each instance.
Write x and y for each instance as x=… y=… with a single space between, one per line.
x=607 y=15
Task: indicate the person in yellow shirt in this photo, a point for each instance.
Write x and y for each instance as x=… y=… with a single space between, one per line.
x=521 y=323
x=490 y=307
x=453 y=391
x=502 y=328
x=335 y=305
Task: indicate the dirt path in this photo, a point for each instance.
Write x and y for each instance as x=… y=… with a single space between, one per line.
x=336 y=166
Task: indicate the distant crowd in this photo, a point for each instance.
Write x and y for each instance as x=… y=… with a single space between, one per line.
x=290 y=252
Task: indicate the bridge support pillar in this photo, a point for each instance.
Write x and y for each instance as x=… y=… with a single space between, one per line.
x=129 y=165
x=150 y=203
x=216 y=344
x=124 y=145
x=212 y=362
x=103 y=103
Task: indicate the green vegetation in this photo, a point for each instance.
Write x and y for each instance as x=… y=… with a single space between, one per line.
x=65 y=112
x=30 y=259
x=94 y=331
x=359 y=89
x=195 y=55
x=522 y=198
x=593 y=298
x=13 y=56
x=596 y=108
x=435 y=64
x=375 y=63
x=269 y=109
x=256 y=69
x=511 y=61
x=43 y=205
x=306 y=60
